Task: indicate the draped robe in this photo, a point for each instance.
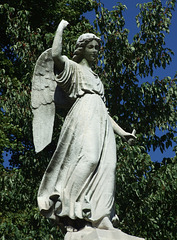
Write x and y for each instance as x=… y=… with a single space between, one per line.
x=79 y=181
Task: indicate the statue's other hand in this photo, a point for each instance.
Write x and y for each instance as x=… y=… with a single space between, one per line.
x=130 y=137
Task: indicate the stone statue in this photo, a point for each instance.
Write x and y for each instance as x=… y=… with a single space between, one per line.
x=78 y=186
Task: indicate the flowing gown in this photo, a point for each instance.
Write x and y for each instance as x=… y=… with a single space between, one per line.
x=79 y=181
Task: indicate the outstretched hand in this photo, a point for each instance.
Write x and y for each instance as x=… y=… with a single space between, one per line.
x=130 y=137
x=57 y=46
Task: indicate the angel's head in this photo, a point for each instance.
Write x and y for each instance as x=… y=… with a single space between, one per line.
x=87 y=47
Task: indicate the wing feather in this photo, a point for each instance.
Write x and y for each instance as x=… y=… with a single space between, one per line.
x=45 y=95
x=42 y=100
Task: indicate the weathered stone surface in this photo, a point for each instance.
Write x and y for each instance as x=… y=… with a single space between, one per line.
x=78 y=185
x=89 y=233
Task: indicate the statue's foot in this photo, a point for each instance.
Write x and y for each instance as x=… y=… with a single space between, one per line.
x=104 y=223
x=71 y=229
x=115 y=221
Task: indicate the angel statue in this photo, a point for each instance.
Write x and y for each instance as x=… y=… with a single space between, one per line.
x=78 y=186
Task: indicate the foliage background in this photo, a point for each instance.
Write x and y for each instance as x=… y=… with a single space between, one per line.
x=146 y=190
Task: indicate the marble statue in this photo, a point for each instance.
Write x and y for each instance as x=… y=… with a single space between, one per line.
x=78 y=186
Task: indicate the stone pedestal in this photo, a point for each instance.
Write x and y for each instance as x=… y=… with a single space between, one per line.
x=89 y=233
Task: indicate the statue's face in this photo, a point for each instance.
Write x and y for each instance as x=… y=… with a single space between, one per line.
x=91 y=52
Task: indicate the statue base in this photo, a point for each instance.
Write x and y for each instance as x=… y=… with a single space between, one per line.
x=89 y=233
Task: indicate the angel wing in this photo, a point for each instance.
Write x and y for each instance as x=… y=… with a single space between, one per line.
x=45 y=95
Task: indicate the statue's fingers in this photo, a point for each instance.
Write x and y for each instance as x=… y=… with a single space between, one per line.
x=134 y=132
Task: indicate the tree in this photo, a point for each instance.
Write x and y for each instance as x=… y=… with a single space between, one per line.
x=145 y=190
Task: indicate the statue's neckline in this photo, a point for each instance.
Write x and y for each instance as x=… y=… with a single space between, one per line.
x=90 y=70
x=84 y=64
x=96 y=75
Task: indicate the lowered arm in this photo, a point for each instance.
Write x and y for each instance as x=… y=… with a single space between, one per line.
x=129 y=137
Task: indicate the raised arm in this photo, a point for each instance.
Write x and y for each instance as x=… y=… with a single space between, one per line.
x=129 y=137
x=57 y=46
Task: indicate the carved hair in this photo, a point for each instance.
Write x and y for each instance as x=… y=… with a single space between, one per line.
x=82 y=41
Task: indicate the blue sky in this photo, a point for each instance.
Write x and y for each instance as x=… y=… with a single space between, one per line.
x=130 y=23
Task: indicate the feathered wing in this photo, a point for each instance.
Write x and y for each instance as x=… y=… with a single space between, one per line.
x=42 y=100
